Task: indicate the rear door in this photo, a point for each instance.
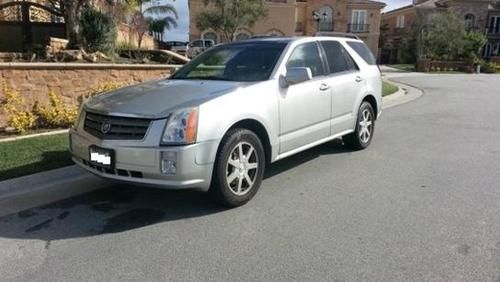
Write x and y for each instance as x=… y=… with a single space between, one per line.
x=370 y=72
x=346 y=84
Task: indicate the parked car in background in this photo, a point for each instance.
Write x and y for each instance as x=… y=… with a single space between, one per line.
x=223 y=117
x=198 y=46
x=179 y=47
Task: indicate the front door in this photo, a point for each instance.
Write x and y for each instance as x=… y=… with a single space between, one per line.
x=305 y=108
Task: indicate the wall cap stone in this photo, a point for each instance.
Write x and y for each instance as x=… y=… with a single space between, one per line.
x=63 y=66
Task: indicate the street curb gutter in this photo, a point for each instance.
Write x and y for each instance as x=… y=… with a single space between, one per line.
x=46 y=187
x=39 y=189
x=406 y=94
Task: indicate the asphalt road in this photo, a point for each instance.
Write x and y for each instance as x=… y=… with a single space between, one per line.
x=422 y=203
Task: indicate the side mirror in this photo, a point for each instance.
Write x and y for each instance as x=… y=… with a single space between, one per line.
x=297 y=75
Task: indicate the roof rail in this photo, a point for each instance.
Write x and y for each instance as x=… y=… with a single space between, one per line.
x=337 y=34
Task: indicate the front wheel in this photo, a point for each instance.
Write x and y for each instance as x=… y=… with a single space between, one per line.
x=239 y=168
x=365 y=127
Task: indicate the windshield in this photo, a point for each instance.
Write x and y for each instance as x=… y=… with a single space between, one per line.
x=234 y=62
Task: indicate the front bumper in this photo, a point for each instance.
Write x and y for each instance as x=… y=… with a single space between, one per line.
x=138 y=162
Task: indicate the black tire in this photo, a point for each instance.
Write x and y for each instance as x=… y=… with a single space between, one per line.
x=231 y=194
x=357 y=140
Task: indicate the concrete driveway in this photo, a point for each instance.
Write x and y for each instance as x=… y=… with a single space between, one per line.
x=422 y=203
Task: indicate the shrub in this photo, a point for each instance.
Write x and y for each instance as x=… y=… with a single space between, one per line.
x=491 y=67
x=56 y=114
x=126 y=45
x=98 y=31
x=19 y=118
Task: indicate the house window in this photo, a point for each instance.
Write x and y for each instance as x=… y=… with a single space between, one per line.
x=470 y=21
x=486 y=52
x=494 y=24
x=400 y=21
x=326 y=19
x=359 y=21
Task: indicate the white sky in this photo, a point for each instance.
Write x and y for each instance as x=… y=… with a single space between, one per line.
x=182 y=32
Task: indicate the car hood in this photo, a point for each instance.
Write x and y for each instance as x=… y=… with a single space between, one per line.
x=157 y=99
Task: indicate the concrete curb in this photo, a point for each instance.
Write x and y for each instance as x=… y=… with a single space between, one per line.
x=55 y=132
x=45 y=187
x=406 y=94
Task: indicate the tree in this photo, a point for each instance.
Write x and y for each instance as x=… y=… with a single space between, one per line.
x=157 y=27
x=226 y=17
x=97 y=30
x=70 y=9
x=442 y=37
x=473 y=42
x=140 y=20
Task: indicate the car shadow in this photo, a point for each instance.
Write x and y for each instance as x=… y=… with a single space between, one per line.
x=50 y=160
x=121 y=208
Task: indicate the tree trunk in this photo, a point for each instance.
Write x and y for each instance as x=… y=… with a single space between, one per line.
x=71 y=20
x=140 y=35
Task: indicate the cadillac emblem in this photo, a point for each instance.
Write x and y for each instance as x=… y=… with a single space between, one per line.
x=105 y=127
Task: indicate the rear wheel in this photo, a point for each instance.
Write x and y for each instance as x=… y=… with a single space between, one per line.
x=239 y=168
x=365 y=127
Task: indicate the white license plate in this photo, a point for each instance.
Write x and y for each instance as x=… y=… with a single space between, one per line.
x=101 y=156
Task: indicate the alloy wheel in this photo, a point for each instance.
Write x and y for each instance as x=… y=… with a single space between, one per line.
x=242 y=168
x=365 y=126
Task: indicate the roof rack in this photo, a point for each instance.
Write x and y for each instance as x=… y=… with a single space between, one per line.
x=337 y=34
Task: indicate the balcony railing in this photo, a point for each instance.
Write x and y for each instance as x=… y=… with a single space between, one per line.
x=354 y=28
x=494 y=30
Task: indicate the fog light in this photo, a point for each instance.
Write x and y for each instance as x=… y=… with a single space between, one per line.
x=168 y=163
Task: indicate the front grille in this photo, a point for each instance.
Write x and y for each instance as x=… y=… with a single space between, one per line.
x=116 y=128
x=119 y=172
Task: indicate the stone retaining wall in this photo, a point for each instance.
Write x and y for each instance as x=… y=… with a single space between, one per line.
x=35 y=80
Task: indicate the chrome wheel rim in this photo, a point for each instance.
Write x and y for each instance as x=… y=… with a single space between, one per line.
x=241 y=169
x=365 y=127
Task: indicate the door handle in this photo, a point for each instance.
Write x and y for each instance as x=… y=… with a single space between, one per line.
x=359 y=78
x=324 y=87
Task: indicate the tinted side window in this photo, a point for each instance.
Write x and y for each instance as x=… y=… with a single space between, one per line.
x=307 y=55
x=363 y=51
x=338 y=58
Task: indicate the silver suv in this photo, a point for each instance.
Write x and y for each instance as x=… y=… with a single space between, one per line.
x=220 y=119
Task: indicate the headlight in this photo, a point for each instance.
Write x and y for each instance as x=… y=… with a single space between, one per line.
x=79 y=118
x=181 y=128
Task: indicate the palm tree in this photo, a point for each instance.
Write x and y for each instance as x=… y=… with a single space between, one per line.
x=140 y=21
x=158 y=26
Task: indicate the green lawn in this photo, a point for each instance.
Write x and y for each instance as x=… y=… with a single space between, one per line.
x=28 y=156
x=388 y=88
x=403 y=67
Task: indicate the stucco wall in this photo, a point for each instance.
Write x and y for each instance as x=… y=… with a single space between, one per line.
x=34 y=81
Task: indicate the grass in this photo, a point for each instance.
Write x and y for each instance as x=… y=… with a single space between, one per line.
x=28 y=156
x=404 y=67
x=388 y=88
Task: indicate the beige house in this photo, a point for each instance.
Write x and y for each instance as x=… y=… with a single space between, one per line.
x=295 y=18
x=478 y=15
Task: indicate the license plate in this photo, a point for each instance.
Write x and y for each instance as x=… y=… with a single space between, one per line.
x=102 y=157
